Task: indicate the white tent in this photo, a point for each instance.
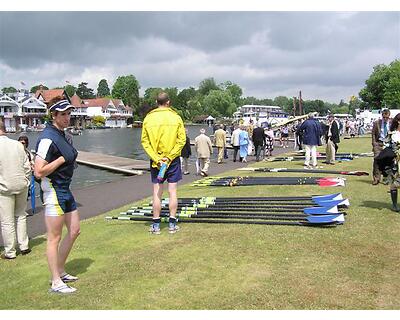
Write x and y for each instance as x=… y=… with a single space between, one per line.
x=210 y=118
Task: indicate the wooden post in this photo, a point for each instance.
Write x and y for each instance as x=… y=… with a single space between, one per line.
x=300 y=104
x=294 y=106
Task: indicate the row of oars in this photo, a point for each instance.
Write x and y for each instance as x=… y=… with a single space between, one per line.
x=305 y=211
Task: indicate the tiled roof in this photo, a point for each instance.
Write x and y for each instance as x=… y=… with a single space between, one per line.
x=97 y=102
x=76 y=101
x=47 y=95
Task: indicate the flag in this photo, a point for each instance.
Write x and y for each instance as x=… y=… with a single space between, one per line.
x=67 y=81
x=23 y=83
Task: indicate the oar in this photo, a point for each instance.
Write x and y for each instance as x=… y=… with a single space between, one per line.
x=350 y=173
x=329 y=208
x=212 y=200
x=246 y=181
x=247 y=206
x=311 y=220
x=223 y=215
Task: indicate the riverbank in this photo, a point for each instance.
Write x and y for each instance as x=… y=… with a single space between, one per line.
x=98 y=199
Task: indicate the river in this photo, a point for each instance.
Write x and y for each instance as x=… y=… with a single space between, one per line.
x=122 y=142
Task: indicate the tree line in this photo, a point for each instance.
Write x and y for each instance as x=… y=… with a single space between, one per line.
x=382 y=89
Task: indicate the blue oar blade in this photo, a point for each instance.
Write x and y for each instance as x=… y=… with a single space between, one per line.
x=321 y=210
x=334 y=218
x=333 y=196
x=329 y=203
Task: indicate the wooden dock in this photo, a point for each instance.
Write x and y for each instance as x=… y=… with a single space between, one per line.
x=113 y=163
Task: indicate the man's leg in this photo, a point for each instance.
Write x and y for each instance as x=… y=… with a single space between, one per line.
x=308 y=153
x=314 y=155
x=7 y=205
x=220 y=154
x=20 y=214
x=157 y=194
x=235 y=152
x=173 y=205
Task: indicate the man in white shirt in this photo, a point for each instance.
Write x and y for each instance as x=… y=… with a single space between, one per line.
x=235 y=141
x=15 y=173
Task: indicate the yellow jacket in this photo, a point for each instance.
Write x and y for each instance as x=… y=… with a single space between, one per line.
x=163 y=134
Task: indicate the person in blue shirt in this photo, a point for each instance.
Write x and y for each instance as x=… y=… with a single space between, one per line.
x=55 y=162
x=311 y=131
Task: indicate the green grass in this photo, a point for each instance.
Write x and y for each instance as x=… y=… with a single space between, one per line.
x=121 y=266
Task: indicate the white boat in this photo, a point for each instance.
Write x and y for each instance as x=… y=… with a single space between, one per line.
x=262 y=115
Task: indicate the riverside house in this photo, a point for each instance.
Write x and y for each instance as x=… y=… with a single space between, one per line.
x=114 y=111
x=23 y=111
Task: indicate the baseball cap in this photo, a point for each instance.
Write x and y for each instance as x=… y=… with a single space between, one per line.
x=61 y=106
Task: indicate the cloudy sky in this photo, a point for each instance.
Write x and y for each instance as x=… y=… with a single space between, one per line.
x=326 y=55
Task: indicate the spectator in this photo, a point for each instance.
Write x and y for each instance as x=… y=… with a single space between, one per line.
x=380 y=130
x=311 y=131
x=185 y=154
x=235 y=141
x=258 y=140
x=163 y=137
x=14 y=182
x=204 y=149
x=332 y=139
x=220 y=142
x=244 y=144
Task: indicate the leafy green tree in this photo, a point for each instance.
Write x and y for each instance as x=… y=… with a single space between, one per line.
x=84 y=92
x=102 y=89
x=173 y=95
x=194 y=108
x=37 y=87
x=219 y=103
x=382 y=88
x=150 y=96
x=207 y=85
x=235 y=91
x=391 y=96
x=184 y=96
x=70 y=90
x=127 y=89
x=7 y=90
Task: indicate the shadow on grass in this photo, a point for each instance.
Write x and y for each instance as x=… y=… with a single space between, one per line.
x=36 y=241
x=377 y=204
x=79 y=266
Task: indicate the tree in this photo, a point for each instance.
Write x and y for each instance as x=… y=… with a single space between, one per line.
x=235 y=91
x=207 y=85
x=382 y=88
x=37 y=87
x=391 y=96
x=127 y=89
x=7 y=90
x=183 y=99
x=84 y=92
x=98 y=121
x=70 y=90
x=102 y=89
x=219 y=103
x=150 y=96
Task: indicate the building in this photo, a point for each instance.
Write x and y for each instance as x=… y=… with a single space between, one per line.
x=115 y=113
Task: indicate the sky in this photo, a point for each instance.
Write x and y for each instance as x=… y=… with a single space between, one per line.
x=327 y=55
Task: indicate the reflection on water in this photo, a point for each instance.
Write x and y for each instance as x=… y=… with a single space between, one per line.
x=119 y=142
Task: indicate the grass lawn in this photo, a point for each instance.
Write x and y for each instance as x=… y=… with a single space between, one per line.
x=206 y=266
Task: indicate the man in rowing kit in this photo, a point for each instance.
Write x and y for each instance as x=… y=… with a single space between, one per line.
x=163 y=137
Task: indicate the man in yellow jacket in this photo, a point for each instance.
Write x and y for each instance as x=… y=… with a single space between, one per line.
x=163 y=137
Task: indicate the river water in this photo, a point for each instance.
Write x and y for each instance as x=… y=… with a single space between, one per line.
x=122 y=142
